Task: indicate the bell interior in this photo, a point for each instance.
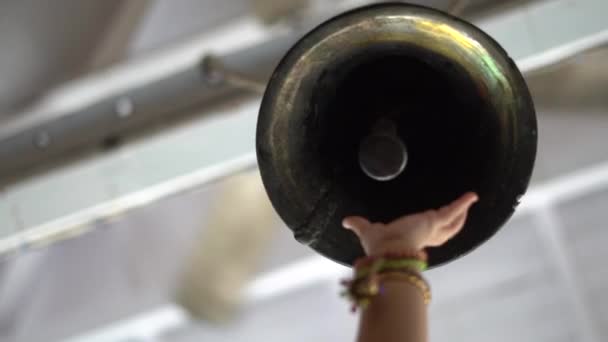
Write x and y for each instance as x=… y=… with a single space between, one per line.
x=442 y=116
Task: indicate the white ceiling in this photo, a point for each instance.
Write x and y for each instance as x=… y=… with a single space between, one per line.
x=46 y=43
x=541 y=278
x=515 y=287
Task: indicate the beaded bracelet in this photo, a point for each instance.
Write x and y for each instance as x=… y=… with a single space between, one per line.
x=420 y=255
x=370 y=272
x=362 y=291
x=384 y=265
x=413 y=279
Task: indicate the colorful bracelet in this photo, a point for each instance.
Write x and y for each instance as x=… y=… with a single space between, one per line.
x=371 y=272
x=384 y=265
x=361 y=292
x=420 y=255
x=413 y=279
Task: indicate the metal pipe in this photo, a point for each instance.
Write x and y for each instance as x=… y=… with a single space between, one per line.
x=33 y=140
x=215 y=72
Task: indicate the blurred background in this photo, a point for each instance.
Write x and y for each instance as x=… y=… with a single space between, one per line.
x=131 y=210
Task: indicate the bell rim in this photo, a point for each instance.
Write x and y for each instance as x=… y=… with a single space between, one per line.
x=522 y=167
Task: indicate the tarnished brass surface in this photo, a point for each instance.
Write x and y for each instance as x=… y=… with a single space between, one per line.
x=304 y=138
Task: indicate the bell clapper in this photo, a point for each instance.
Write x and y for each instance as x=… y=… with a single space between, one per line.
x=382 y=154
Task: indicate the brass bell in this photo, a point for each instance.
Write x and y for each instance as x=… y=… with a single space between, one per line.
x=392 y=109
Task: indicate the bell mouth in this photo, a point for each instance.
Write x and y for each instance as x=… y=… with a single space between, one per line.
x=460 y=107
x=448 y=128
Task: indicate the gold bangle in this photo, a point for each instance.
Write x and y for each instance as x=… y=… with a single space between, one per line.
x=412 y=279
x=388 y=265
